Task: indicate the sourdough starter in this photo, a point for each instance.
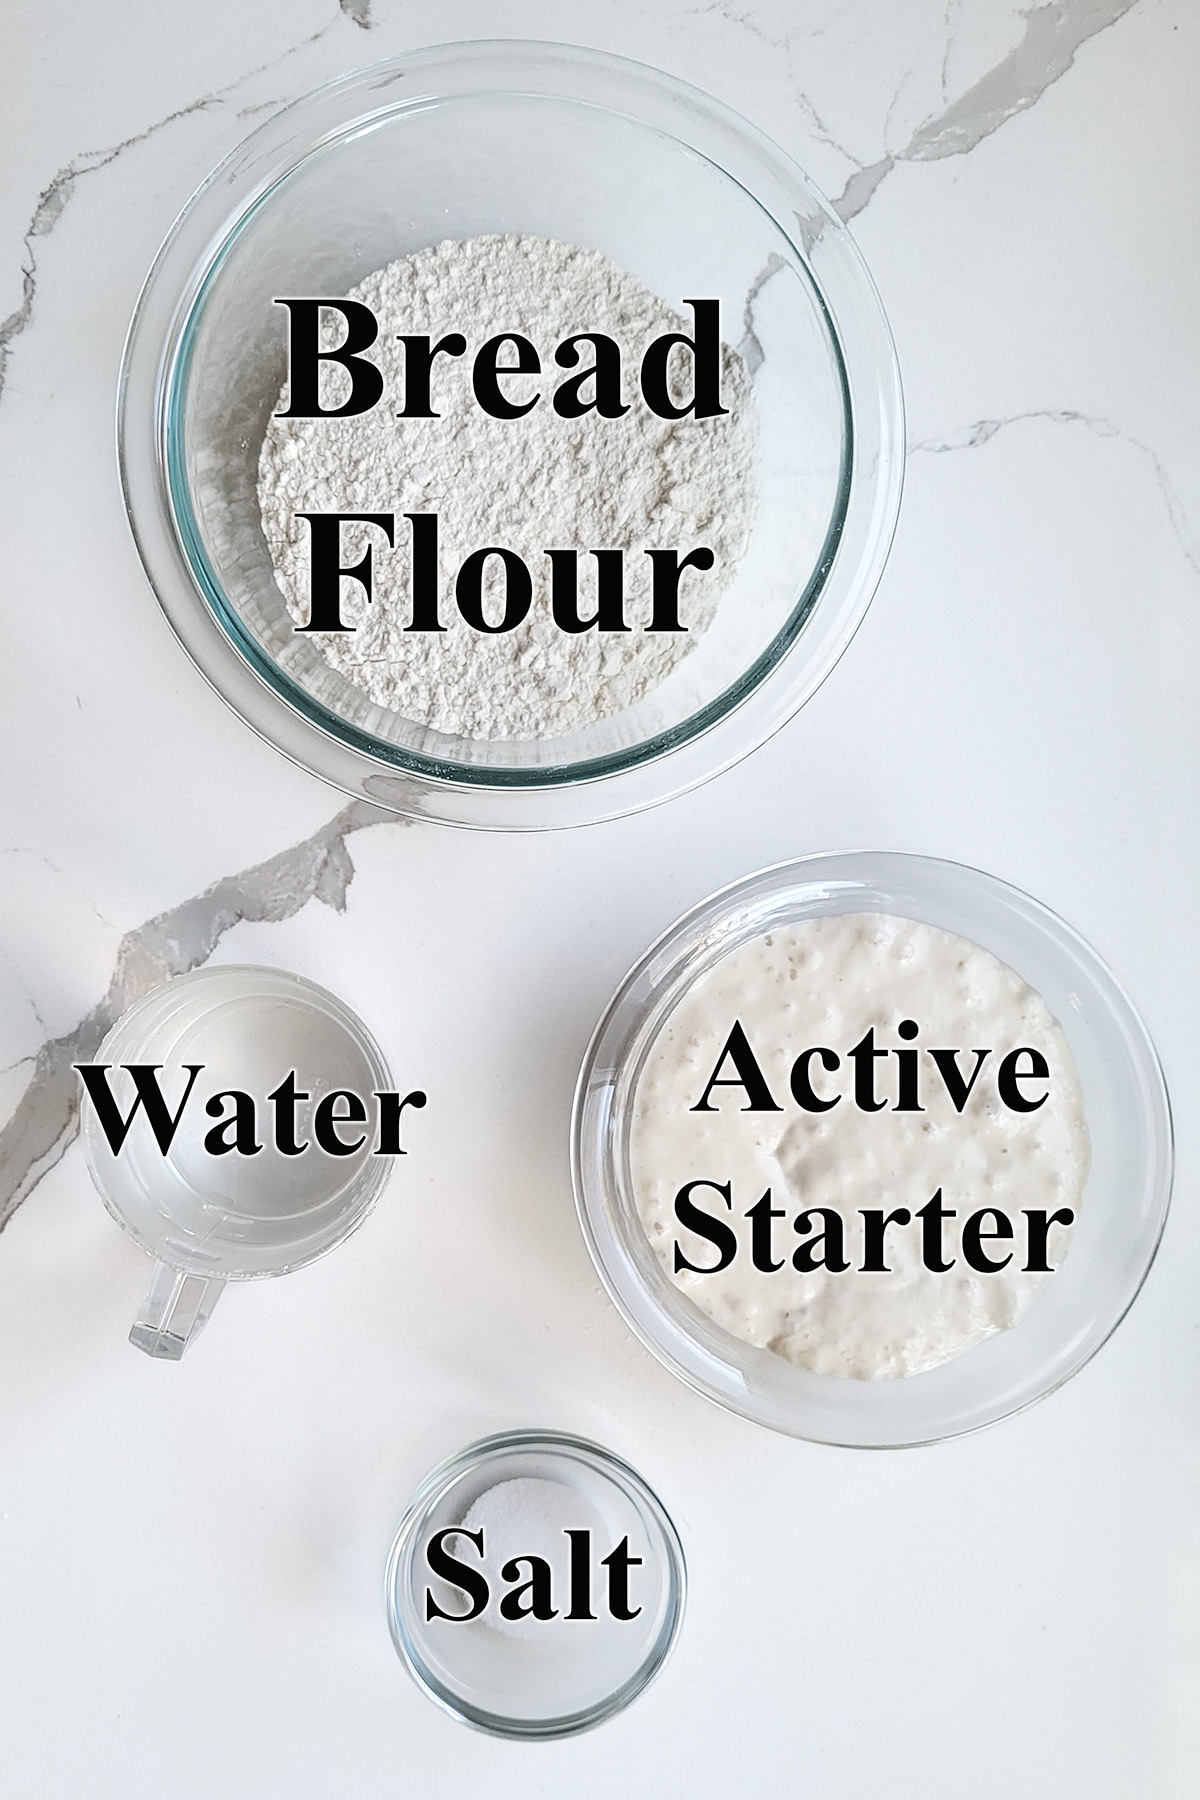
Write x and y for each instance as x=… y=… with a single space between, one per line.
x=824 y=981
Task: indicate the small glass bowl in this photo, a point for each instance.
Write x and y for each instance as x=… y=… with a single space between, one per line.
x=1121 y=1214
x=509 y=137
x=212 y=1218
x=581 y=1671
x=236 y=1217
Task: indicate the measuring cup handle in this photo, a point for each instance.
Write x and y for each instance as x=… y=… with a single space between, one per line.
x=174 y=1308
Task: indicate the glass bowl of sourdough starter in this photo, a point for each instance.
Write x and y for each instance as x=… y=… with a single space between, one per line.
x=523 y=1492
x=514 y=138
x=1120 y=1215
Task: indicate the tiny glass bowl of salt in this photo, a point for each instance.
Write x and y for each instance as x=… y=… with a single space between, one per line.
x=579 y=373
x=872 y=1148
x=535 y=1586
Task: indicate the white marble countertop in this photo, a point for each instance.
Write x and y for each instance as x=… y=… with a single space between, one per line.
x=191 y=1555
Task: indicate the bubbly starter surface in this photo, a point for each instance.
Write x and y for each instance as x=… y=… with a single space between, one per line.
x=824 y=982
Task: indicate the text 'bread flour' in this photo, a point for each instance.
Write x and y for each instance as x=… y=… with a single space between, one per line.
x=647 y=514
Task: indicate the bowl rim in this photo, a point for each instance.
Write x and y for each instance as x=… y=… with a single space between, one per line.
x=761 y=699
x=612 y=1468
x=624 y=1021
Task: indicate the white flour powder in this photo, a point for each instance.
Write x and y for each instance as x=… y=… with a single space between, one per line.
x=531 y=484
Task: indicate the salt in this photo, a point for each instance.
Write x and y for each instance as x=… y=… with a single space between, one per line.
x=527 y=1517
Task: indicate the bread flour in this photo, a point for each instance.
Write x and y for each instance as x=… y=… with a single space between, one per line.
x=531 y=484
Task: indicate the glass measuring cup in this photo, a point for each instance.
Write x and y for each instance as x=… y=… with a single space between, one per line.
x=194 y=1193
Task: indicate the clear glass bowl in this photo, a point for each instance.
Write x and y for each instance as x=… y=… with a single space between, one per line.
x=584 y=1670
x=1120 y=1218
x=209 y=1219
x=239 y=1217
x=470 y=139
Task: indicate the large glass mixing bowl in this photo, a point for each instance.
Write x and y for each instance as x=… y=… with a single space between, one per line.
x=543 y=139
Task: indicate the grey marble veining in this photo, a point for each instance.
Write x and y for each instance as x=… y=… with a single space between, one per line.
x=52 y=202
x=982 y=431
x=1053 y=35
x=49 y=208
x=750 y=349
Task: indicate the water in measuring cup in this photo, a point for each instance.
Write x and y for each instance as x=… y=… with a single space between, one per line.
x=232 y=1211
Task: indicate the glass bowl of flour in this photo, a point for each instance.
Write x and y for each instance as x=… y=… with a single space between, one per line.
x=512 y=435
x=872 y=1149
